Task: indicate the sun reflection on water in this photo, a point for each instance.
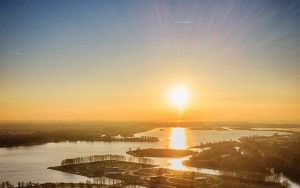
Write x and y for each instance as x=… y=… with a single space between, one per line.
x=177 y=141
x=178 y=138
x=176 y=164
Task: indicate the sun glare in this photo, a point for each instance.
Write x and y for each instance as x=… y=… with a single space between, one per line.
x=178 y=97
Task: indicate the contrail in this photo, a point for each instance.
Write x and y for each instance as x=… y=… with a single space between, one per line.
x=183 y=22
x=15 y=53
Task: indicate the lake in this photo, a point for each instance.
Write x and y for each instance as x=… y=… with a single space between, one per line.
x=29 y=163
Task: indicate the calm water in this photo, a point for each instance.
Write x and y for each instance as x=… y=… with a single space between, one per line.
x=30 y=163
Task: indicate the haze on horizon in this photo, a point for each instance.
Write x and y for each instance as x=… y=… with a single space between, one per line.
x=117 y=60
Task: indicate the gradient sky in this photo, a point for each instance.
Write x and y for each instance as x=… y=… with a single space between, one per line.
x=117 y=60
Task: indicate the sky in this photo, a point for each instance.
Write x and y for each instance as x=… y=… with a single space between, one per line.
x=117 y=60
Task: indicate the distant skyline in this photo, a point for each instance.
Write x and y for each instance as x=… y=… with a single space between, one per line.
x=118 y=60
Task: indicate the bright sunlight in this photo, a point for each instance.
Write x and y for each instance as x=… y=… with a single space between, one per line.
x=178 y=97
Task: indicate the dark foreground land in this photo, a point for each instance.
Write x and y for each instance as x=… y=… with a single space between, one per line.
x=151 y=152
x=101 y=168
x=70 y=185
x=252 y=154
x=131 y=173
x=231 y=184
x=58 y=185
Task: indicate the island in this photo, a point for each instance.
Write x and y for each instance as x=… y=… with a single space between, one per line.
x=151 y=152
x=140 y=171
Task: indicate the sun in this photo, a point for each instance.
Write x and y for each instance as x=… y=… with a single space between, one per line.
x=178 y=97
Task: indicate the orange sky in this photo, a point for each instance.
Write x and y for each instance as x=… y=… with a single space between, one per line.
x=118 y=61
